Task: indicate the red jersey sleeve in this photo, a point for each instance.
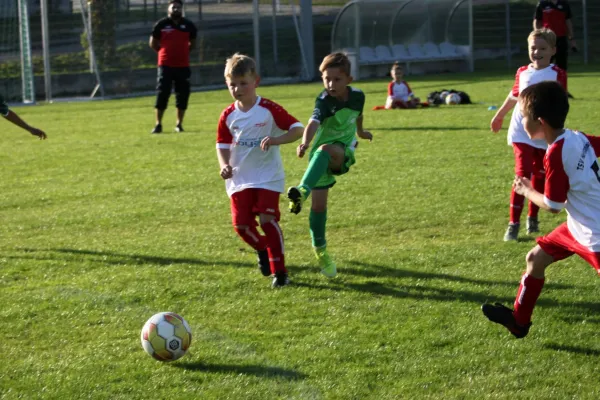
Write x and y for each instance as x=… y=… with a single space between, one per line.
x=515 y=88
x=223 y=133
x=282 y=118
x=595 y=142
x=557 y=181
x=391 y=89
x=561 y=76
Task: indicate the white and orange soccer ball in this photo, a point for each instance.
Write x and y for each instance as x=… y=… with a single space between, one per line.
x=166 y=336
x=452 y=98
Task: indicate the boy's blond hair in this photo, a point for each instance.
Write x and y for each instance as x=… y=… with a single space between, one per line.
x=545 y=34
x=397 y=65
x=239 y=65
x=336 y=60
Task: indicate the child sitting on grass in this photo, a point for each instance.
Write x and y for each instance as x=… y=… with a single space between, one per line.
x=399 y=93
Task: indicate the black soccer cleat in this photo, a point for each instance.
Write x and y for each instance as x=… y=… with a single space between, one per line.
x=157 y=129
x=296 y=195
x=263 y=262
x=503 y=315
x=280 y=279
x=179 y=128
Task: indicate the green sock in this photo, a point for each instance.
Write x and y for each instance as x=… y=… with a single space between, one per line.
x=316 y=168
x=317 y=222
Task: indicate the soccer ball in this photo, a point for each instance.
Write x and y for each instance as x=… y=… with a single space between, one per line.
x=452 y=98
x=166 y=336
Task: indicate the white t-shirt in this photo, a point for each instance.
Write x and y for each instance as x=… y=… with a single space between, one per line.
x=398 y=91
x=525 y=77
x=573 y=182
x=242 y=132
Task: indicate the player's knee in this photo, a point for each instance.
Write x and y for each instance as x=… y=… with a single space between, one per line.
x=240 y=228
x=265 y=218
x=335 y=151
x=537 y=261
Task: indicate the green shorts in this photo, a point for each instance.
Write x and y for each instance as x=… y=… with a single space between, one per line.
x=327 y=180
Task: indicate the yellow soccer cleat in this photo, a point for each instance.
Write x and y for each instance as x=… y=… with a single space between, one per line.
x=328 y=265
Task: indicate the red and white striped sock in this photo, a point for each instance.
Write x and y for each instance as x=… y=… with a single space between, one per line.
x=250 y=235
x=274 y=239
x=529 y=291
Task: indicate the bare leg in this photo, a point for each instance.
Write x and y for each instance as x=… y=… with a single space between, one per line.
x=159 y=116
x=180 y=115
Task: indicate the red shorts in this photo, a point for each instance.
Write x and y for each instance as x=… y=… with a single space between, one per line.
x=560 y=244
x=529 y=160
x=248 y=203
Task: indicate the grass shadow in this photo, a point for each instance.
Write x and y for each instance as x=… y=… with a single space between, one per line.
x=432 y=128
x=431 y=293
x=256 y=370
x=373 y=270
x=573 y=349
x=114 y=258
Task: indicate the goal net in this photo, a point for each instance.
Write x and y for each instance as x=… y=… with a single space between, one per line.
x=16 y=68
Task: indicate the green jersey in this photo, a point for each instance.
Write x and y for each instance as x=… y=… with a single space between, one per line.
x=337 y=118
x=3 y=107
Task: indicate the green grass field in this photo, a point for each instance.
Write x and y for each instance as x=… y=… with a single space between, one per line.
x=104 y=225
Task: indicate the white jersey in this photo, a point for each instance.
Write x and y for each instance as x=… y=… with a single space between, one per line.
x=398 y=91
x=241 y=132
x=573 y=182
x=525 y=77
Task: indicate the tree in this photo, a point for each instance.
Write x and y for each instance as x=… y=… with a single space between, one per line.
x=104 y=26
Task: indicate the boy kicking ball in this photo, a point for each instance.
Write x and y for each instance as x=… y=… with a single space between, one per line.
x=573 y=183
x=336 y=121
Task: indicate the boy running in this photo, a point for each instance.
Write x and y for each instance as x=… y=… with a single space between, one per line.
x=336 y=120
x=248 y=136
x=529 y=153
x=573 y=183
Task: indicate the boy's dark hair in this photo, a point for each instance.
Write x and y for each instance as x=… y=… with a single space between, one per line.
x=180 y=2
x=547 y=100
x=336 y=60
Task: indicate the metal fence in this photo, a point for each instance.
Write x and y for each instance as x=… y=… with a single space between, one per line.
x=226 y=27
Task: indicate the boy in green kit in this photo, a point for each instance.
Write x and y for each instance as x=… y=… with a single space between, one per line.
x=336 y=121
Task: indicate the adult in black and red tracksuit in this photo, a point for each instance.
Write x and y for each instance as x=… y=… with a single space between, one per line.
x=173 y=37
x=556 y=15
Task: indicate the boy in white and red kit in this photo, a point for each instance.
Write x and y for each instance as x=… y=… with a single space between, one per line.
x=400 y=94
x=248 y=136
x=529 y=153
x=573 y=183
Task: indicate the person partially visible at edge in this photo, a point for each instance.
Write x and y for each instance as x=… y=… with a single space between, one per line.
x=172 y=38
x=573 y=184
x=556 y=16
x=12 y=116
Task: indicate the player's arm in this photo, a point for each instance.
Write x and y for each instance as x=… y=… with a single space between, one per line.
x=224 y=155
x=15 y=119
x=524 y=187
x=556 y=186
x=293 y=134
x=307 y=137
x=508 y=105
x=154 y=43
x=537 y=17
x=360 y=132
x=571 y=34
